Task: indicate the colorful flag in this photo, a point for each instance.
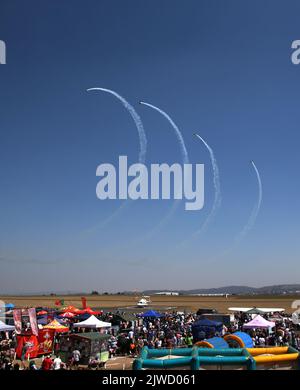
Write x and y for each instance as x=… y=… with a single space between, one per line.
x=33 y=321
x=59 y=302
x=17 y=313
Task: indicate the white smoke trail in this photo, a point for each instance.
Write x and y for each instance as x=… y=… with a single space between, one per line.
x=142 y=139
x=185 y=160
x=255 y=211
x=217 y=186
x=184 y=152
x=135 y=117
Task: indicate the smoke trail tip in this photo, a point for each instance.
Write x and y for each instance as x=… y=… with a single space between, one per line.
x=198 y=136
x=253 y=164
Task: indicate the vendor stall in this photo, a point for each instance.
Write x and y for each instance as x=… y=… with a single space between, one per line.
x=92 y=345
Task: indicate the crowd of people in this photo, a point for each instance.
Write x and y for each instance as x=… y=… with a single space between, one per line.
x=169 y=330
x=175 y=331
x=285 y=332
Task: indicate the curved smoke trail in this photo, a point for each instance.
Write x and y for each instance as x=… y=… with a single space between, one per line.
x=255 y=211
x=184 y=152
x=135 y=117
x=217 y=186
x=142 y=138
x=185 y=160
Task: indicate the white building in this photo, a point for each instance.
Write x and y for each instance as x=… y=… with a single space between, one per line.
x=167 y=293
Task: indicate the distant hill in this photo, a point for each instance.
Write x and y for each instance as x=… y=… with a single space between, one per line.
x=280 y=289
x=238 y=290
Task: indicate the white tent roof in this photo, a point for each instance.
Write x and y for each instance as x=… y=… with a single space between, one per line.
x=4 y=327
x=265 y=309
x=93 y=322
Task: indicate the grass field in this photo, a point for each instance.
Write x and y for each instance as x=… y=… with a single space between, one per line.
x=181 y=302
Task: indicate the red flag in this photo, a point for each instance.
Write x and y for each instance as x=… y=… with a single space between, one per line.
x=83 y=300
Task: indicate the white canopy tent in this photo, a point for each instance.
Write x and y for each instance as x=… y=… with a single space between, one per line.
x=5 y=328
x=264 y=309
x=92 y=322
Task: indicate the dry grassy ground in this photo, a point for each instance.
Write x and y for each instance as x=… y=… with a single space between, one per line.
x=181 y=302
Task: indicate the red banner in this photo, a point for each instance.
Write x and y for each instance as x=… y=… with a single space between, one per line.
x=18 y=320
x=34 y=346
x=26 y=346
x=33 y=321
x=46 y=341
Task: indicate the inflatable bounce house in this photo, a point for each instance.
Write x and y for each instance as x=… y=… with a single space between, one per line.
x=233 y=352
x=195 y=359
x=239 y=340
x=276 y=358
x=214 y=342
x=265 y=358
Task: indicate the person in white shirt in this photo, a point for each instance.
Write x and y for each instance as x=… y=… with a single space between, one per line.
x=261 y=341
x=76 y=357
x=158 y=343
x=130 y=334
x=57 y=363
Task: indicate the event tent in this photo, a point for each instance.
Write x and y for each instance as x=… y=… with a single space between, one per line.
x=5 y=328
x=9 y=306
x=42 y=320
x=259 y=322
x=46 y=319
x=90 y=311
x=56 y=326
x=152 y=314
x=264 y=309
x=92 y=322
x=70 y=309
x=67 y=314
x=42 y=313
x=255 y=310
x=205 y=329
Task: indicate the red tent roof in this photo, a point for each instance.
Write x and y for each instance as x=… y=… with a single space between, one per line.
x=42 y=312
x=88 y=310
x=67 y=314
x=71 y=309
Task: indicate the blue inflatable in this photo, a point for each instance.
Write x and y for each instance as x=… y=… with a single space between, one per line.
x=239 y=340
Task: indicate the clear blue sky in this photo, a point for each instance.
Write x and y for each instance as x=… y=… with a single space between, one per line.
x=220 y=68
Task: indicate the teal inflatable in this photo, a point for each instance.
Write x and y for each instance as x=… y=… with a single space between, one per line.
x=194 y=358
